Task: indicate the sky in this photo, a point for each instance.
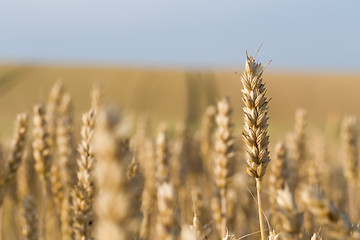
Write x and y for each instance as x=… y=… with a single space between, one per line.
x=321 y=34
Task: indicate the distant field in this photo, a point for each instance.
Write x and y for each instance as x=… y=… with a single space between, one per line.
x=168 y=94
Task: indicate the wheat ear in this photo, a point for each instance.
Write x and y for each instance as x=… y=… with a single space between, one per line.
x=17 y=149
x=224 y=148
x=206 y=132
x=117 y=217
x=42 y=157
x=351 y=156
x=83 y=195
x=30 y=219
x=15 y=155
x=162 y=156
x=255 y=133
x=66 y=217
x=278 y=174
x=290 y=216
x=57 y=188
x=96 y=96
x=167 y=225
x=65 y=143
x=52 y=105
x=296 y=150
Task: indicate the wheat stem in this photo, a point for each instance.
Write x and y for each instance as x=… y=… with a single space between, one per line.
x=43 y=216
x=259 y=202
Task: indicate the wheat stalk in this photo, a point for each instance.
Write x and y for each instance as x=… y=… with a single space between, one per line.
x=255 y=133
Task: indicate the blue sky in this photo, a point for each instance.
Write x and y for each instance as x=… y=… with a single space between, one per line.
x=189 y=33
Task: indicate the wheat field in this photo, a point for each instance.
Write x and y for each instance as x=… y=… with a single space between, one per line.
x=107 y=153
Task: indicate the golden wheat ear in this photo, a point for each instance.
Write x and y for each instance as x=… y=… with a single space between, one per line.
x=116 y=205
x=42 y=155
x=224 y=147
x=84 y=192
x=350 y=164
x=30 y=219
x=255 y=133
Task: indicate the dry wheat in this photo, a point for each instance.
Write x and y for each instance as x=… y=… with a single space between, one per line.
x=224 y=148
x=17 y=149
x=30 y=219
x=351 y=160
x=167 y=225
x=339 y=223
x=83 y=194
x=116 y=205
x=255 y=135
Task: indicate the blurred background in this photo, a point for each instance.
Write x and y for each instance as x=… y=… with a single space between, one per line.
x=170 y=59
